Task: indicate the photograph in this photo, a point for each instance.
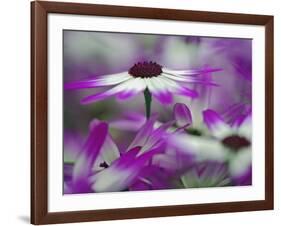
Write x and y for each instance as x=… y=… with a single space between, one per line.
x=155 y=111
x=143 y=112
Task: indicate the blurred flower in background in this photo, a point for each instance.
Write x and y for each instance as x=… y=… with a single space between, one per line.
x=186 y=121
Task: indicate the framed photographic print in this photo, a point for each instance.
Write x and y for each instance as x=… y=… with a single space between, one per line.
x=146 y=112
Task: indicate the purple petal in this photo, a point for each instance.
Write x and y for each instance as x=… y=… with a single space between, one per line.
x=184 y=91
x=119 y=175
x=240 y=167
x=126 y=95
x=107 y=80
x=144 y=133
x=123 y=172
x=157 y=136
x=152 y=178
x=100 y=96
x=134 y=86
x=141 y=185
x=182 y=115
x=191 y=72
x=86 y=159
x=177 y=88
x=126 y=159
x=216 y=124
x=164 y=96
x=132 y=121
x=238 y=121
x=189 y=79
x=243 y=67
x=234 y=111
x=159 y=90
x=243 y=179
x=109 y=150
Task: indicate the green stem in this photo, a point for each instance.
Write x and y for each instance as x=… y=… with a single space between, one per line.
x=148 y=99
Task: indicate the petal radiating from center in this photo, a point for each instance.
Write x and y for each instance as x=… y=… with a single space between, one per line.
x=131 y=87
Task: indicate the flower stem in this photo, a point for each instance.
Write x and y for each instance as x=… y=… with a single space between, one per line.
x=148 y=99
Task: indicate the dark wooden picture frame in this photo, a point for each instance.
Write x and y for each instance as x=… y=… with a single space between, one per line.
x=39 y=109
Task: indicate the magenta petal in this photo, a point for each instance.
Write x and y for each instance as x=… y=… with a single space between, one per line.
x=201 y=71
x=82 y=84
x=95 y=97
x=118 y=176
x=123 y=172
x=212 y=118
x=140 y=185
x=164 y=96
x=216 y=124
x=153 y=178
x=107 y=80
x=124 y=90
x=184 y=91
x=126 y=94
x=157 y=136
x=182 y=115
x=87 y=157
x=243 y=179
x=132 y=121
x=238 y=121
x=143 y=158
x=144 y=133
x=128 y=158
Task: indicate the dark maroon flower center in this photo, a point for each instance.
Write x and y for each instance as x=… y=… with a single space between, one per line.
x=104 y=165
x=236 y=142
x=145 y=70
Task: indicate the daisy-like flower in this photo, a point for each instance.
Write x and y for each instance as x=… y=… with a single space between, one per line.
x=101 y=167
x=226 y=143
x=238 y=139
x=148 y=77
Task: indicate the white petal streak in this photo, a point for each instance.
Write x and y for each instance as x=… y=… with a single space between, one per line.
x=107 y=80
x=160 y=90
x=245 y=128
x=241 y=162
x=191 y=72
x=109 y=151
x=123 y=87
x=181 y=72
x=158 y=85
x=188 y=79
x=113 y=79
x=111 y=179
x=202 y=149
x=133 y=87
x=176 y=88
x=170 y=84
x=178 y=78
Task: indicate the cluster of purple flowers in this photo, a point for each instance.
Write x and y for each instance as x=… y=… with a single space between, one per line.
x=196 y=146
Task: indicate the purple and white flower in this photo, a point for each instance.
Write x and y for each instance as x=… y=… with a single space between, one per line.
x=237 y=138
x=225 y=143
x=162 y=83
x=102 y=167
